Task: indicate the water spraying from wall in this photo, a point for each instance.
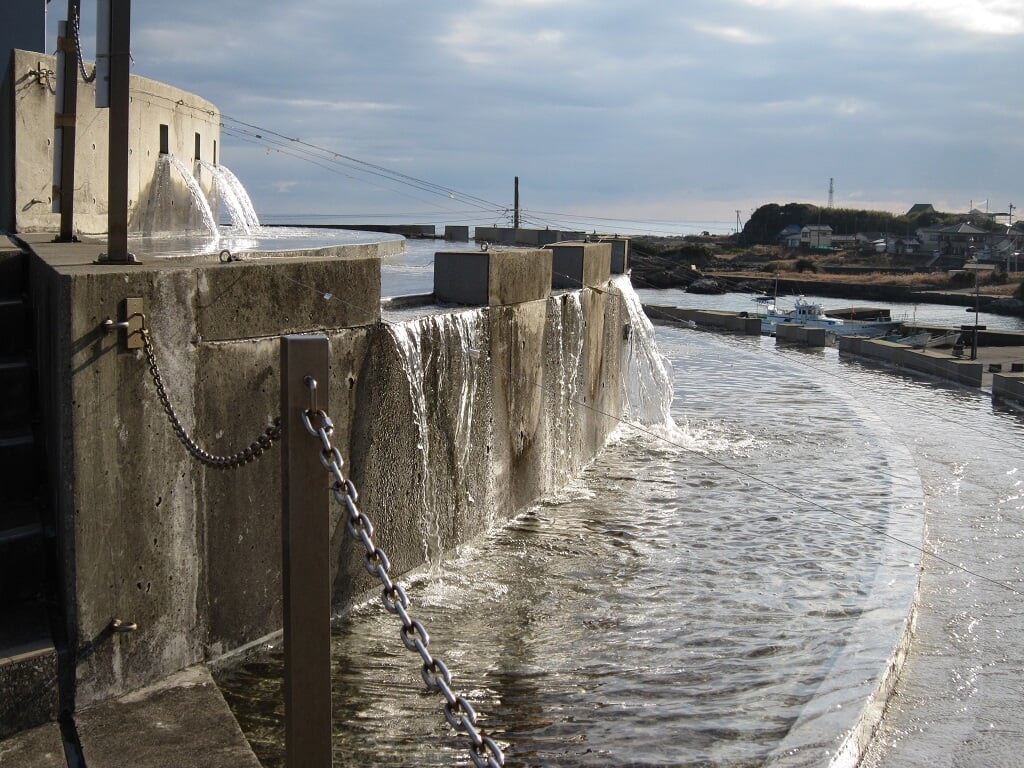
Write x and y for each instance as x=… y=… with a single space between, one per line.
x=233 y=195
x=647 y=378
x=196 y=194
x=440 y=356
x=567 y=345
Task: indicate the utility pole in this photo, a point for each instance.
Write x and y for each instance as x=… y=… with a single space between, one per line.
x=1010 y=207
x=737 y=221
x=515 y=212
x=831 y=191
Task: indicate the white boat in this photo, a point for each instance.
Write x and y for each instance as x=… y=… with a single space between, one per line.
x=812 y=315
x=926 y=339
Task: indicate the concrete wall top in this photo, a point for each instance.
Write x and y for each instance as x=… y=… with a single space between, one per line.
x=580 y=264
x=153 y=104
x=620 y=253
x=524 y=237
x=492 y=278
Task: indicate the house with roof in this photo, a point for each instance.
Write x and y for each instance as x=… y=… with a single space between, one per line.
x=904 y=246
x=870 y=242
x=963 y=240
x=816 y=237
x=789 y=237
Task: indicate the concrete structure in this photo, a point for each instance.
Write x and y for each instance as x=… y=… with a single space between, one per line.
x=801 y=335
x=190 y=554
x=620 y=253
x=932 y=362
x=580 y=264
x=494 y=278
x=530 y=238
x=456 y=232
x=406 y=230
x=162 y=562
x=22 y=26
x=1008 y=387
x=163 y=119
x=707 y=318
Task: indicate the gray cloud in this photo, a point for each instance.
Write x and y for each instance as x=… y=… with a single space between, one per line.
x=647 y=109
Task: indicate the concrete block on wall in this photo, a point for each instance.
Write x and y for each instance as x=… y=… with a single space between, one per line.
x=620 y=254
x=456 y=232
x=492 y=278
x=580 y=264
x=799 y=334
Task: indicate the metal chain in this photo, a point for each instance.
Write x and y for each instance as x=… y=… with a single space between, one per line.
x=484 y=752
x=78 y=48
x=245 y=456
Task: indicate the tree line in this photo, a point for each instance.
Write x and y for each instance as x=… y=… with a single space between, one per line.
x=764 y=224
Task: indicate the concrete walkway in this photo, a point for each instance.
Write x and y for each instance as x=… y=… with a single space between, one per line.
x=181 y=721
x=40 y=747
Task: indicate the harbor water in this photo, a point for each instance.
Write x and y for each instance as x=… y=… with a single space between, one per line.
x=723 y=591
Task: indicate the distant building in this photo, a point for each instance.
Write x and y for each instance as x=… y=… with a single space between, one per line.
x=963 y=240
x=906 y=246
x=814 y=238
x=870 y=242
x=789 y=237
x=920 y=208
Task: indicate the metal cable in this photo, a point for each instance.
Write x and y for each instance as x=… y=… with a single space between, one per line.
x=484 y=751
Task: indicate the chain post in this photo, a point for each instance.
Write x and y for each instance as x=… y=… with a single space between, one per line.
x=483 y=751
x=305 y=532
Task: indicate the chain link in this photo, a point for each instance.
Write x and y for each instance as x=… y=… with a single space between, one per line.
x=484 y=751
x=78 y=48
x=245 y=456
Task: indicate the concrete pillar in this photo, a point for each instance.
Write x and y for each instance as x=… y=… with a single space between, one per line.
x=580 y=264
x=492 y=278
x=453 y=232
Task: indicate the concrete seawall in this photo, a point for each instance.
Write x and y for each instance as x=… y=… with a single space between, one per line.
x=192 y=554
x=961 y=371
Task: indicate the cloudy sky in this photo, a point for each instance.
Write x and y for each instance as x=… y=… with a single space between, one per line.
x=660 y=112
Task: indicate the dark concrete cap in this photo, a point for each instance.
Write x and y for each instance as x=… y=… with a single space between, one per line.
x=580 y=264
x=492 y=278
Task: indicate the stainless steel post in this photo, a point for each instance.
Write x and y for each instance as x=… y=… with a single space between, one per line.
x=120 y=103
x=305 y=570
x=64 y=123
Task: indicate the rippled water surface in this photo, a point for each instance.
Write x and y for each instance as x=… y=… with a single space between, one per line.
x=713 y=595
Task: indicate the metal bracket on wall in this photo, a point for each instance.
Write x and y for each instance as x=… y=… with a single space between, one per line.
x=132 y=322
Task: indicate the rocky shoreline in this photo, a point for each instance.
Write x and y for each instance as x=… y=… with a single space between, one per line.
x=667 y=271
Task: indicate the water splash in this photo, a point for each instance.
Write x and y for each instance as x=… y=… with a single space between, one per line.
x=440 y=357
x=195 y=192
x=647 y=375
x=569 y=333
x=234 y=197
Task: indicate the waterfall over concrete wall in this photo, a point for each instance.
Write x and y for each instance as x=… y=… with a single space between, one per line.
x=475 y=414
x=446 y=424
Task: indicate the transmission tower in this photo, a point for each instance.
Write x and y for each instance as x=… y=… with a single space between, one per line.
x=831 y=191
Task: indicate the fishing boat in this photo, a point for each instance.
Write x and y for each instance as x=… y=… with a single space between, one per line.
x=813 y=315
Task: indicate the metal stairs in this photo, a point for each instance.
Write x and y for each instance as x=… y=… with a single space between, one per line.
x=28 y=661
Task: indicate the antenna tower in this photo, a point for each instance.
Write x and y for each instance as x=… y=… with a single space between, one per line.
x=831 y=191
